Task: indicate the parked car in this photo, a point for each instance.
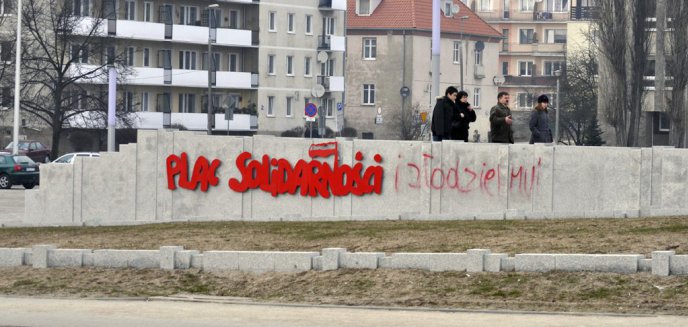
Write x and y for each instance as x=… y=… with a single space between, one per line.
x=32 y=149
x=70 y=157
x=18 y=169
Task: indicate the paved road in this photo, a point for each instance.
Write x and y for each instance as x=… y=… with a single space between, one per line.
x=12 y=204
x=33 y=312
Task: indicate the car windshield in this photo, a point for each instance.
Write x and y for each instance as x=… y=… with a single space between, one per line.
x=65 y=158
x=23 y=159
x=22 y=146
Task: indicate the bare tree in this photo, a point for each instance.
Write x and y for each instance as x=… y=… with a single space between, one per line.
x=579 y=95
x=623 y=40
x=409 y=123
x=64 y=53
x=677 y=68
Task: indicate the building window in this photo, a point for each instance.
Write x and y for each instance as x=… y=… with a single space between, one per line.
x=557 y=5
x=187 y=103
x=187 y=60
x=505 y=40
x=307 y=66
x=555 y=36
x=79 y=54
x=328 y=22
x=145 y=98
x=456 y=54
x=525 y=100
x=526 y=36
x=476 y=97
x=290 y=65
x=233 y=62
x=309 y=24
x=271 y=106
x=271 y=64
x=505 y=68
x=327 y=68
x=290 y=100
x=290 y=23
x=215 y=64
x=369 y=48
x=363 y=7
x=485 y=5
x=187 y=15
x=233 y=19
x=369 y=94
x=147 y=11
x=130 y=10
x=663 y=122
x=525 y=68
x=526 y=5
x=80 y=7
x=272 y=23
x=448 y=8
x=128 y=101
x=552 y=66
x=328 y=105
x=146 y=57
x=478 y=57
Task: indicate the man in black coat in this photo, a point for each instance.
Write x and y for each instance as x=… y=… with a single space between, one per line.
x=442 y=115
x=462 y=117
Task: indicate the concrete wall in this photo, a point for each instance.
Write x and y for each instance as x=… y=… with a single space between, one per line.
x=662 y=263
x=422 y=180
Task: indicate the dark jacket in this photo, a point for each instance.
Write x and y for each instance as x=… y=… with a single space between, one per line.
x=539 y=126
x=460 y=125
x=441 y=117
x=501 y=131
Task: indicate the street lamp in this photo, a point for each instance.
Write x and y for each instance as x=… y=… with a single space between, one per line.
x=17 y=82
x=462 y=18
x=557 y=73
x=211 y=64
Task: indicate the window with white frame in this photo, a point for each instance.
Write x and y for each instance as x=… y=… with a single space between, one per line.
x=663 y=122
x=272 y=21
x=369 y=48
x=233 y=19
x=369 y=94
x=309 y=24
x=485 y=5
x=128 y=101
x=145 y=101
x=549 y=67
x=188 y=15
x=555 y=36
x=556 y=5
x=456 y=57
x=290 y=23
x=290 y=65
x=187 y=103
x=328 y=105
x=215 y=63
x=363 y=7
x=307 y=67
x=526 y=36
x=271 y=64
x=505 y=68
x=525 y=100
x=526 y=5
x=147 y=11
x=130 y=10
x=476 y=97
x=233 y=62
x=290 y=101
x=478 y=57
x=328 y=22
x=79 y=8
x=79 y=53
x=130 y=59
x=146 y=57
x=187 y=59
x=271 y=106
x=525 y=68
x=327 y=68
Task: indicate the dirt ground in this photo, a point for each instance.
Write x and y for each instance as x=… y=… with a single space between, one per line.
x=556 y=291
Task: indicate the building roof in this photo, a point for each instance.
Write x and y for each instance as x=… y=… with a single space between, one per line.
x=417 y=14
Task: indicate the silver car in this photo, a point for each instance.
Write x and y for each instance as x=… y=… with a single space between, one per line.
x=69 y=157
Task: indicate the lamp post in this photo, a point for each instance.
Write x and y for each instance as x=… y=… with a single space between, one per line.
x=462 y=18
x=557 y=73
x=211 y=64
x=17 y=82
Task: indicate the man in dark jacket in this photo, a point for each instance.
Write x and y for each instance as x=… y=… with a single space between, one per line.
x=442 y=113
x=500 y=120
x=462 y=117
x=539 y=122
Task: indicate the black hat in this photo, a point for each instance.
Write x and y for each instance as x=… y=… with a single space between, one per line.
x=543 y=99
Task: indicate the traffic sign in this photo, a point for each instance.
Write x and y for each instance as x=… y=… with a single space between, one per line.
x=311 y=110
x=339 y=106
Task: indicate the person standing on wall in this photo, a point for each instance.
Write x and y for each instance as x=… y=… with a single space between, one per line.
x=442 y=113
x=500 y=120
x=539 y=122
x=462 y=117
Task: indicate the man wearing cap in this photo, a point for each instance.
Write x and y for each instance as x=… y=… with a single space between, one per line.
x=539 y=122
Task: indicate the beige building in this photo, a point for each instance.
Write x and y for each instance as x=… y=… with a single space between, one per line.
x=389 y=64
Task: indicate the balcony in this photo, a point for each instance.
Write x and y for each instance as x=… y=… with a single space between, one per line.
x=153 y=120
x=546 y=49
x=331 y=43
x=331 y=83
x=332 y=5
x=585 y=13
x=530 y=81
x=542 y=16
x=199 y=34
